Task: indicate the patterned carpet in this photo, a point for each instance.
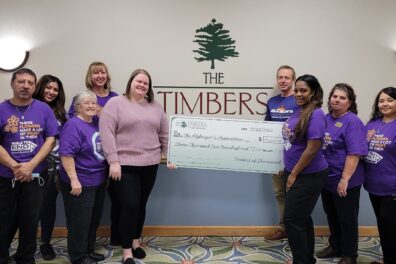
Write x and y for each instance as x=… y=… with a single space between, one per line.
x=215 y=250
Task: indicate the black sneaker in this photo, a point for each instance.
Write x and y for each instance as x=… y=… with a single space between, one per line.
x=96 y=256
x=138 y=253
x=47 y=251
x=129 y=261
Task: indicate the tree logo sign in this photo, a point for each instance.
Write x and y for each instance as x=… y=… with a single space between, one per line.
x=215 y=43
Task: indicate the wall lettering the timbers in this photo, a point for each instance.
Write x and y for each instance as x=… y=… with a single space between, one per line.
x=213 y=78
x=213 y=97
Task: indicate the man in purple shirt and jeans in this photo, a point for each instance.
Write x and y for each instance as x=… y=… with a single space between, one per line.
x=27 y=134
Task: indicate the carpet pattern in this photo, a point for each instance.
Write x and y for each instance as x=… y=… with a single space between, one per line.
x=215 y=250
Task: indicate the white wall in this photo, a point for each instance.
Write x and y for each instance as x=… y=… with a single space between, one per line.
x=350 y=41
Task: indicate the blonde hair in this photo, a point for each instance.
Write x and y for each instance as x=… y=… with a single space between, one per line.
x=95 y=67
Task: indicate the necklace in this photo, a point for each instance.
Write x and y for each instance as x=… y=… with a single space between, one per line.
x=23 y=114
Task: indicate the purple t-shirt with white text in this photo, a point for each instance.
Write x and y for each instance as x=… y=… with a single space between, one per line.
x=344 y=136
x=81 y=140
x=280 y=108
x=381 y=159
x=293 y=149
x=24 y=130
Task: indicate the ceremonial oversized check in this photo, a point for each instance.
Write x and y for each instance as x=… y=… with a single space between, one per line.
x=225 y=144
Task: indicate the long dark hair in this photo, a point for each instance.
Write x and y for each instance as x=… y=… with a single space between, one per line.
x=350 y=93
x=315 y=101
x=150 y=93
x=58 y=105
x=376 y=113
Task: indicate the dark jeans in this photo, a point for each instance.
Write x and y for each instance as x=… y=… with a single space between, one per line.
x=342 y=216
x=48 y=208
x=83 y=215
x=385 y=212
x=19 y=207
x=300 y=202
x=133 y=191
x=115 y=213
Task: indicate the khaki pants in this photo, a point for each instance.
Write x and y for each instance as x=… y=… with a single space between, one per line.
x=279 y=184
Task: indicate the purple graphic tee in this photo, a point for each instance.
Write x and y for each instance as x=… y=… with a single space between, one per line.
x=24 y=130
x=293 y=149
x=101 y=102
x=344 y=136
x=81 y=140
x=381 y=159
x=280 y=108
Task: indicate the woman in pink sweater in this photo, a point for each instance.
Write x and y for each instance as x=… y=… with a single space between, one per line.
x=134 y=132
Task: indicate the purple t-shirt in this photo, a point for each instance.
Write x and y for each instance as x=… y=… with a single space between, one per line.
x=381 y=159
x=293 y=149
x=81 y=140
x=102 y=100
x=344 y=136
x=280 y=108
x=23 y=132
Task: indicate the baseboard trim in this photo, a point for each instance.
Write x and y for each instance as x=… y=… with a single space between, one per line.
x=253 y=231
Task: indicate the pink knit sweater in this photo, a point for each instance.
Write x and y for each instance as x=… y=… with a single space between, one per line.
x=133 y=133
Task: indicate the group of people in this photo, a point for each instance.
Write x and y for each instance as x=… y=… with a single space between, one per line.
x=104 y=140
x=118 y=141
x=333 y=155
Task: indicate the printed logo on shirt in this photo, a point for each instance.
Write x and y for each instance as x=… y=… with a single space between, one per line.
x=286 y=145
x=281 y=110
x=12 y=124
x=377 y=142
x=99 y=109
x=287 y=136
x=373 y=157
x=97 y=146
x=22 y=147
x=327 y=140
x=338 y=124
x=29 y=130
x=370 y=134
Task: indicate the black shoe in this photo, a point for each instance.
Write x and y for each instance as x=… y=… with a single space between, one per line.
x=138 y=253
x=328 y=252
x=11 y=258
x=96 y=256
x=347 y=260
x=47 y=251
x=128 y=261
x=88 y=261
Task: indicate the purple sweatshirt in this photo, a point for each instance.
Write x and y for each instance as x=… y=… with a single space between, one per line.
x=133 y=133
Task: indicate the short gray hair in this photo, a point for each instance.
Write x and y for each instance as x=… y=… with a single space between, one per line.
x=82 y=95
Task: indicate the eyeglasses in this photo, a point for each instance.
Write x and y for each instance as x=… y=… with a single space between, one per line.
x=88 y=103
